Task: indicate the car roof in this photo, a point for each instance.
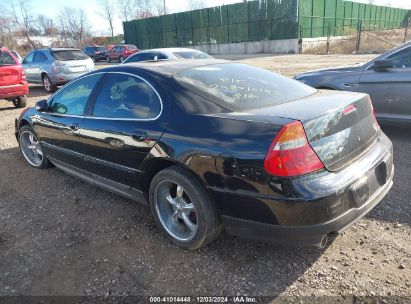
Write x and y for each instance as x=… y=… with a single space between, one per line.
x=167 y=67
x=57 y=49
x=171 y=50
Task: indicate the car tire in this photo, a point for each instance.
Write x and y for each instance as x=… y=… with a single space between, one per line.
x=48 y=84
x=182 y=209
x=121 y=59
x=20 y=102
x=34 y=155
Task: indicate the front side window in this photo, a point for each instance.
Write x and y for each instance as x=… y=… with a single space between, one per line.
x=72 y=99
x=402 y=59
x=126 y=96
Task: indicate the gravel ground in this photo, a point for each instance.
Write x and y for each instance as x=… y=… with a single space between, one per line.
x=60 y=236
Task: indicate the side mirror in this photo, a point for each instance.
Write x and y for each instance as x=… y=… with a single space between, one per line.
x=155 y=58
x=42 y=105
x=383 y=64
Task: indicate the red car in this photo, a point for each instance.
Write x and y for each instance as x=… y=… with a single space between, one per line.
x=121 y=52
x=13 y=84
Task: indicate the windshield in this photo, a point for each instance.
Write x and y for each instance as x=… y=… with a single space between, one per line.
x=69 y=55
x=240 y=87
x=6 y=59
x=192 y=55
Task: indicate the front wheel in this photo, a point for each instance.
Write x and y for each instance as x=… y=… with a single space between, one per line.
x=20 y=102
x=48 y=85
x=31 y=148
x=182 y=209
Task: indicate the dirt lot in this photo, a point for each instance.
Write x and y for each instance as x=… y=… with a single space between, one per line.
x=60 y=236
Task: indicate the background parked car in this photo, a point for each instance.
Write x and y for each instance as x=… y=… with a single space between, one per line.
x=167 y=54
x=387 y=79
x=56 y=66
x=17 y=55
x=96 y=53
x=13 y=84
x=121 y=52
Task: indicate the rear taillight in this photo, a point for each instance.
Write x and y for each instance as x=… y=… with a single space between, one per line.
x=376 y=126
x=290 y=154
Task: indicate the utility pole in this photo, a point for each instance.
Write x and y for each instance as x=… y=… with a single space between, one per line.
x=164 y=7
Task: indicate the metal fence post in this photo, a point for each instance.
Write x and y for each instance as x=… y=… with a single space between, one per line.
x=328 y=38
x=358 y=44
x=406 y=30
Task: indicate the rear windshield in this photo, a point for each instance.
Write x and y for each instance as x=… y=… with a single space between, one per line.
x=192 y=55
x=239 y=87
x=69 y=55
x=131 y=47
x=6 y=59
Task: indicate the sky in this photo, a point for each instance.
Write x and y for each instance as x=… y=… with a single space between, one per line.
x=99 y=25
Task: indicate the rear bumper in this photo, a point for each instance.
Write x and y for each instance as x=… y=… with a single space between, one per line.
x=323 y=203
x=310 y=235
x=15 y=90
x=62 y=78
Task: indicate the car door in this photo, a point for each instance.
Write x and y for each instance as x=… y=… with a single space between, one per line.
x=58 y=127
x=123 y=126
x=390 y=89
x=28 y=67
x=37 y=66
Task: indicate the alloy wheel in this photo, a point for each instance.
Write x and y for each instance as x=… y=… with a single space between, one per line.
x=175 y=210
x=30 y=146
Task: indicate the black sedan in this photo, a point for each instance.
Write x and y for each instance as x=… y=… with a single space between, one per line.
x=209 y=144
x=387 y=79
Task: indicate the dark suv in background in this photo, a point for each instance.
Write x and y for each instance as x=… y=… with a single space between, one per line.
x=96 y=53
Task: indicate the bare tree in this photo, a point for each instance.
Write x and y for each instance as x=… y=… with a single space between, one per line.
x=125 y=9
x=196 y=4
x=46 y=25
x=74 y=24
x=21 y=17
x=108 y=13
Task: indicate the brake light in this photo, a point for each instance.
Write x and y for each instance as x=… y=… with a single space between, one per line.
x=290 y=154
x=376 y=126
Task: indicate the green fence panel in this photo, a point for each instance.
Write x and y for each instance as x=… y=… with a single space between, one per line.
x=154 y=25
x=238 y=13
x=218 y=15
x=219 y=34
x=318 y=18
x=183 y=21
x=199 y=18
x=185 y=37
x=168 y=23
x=200 y=36
x=305 y=17
x=130 y=32
x=169 y=39
x=238 y=32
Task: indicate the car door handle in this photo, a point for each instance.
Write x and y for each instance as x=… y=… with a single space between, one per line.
x=74 y=126
x=139 y=135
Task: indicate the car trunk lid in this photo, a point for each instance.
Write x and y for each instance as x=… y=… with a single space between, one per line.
x=339 y=126
x=10 y=71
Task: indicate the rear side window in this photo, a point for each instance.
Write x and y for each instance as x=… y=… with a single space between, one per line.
x=72 y=99
x=240 y=87
x=6 y=59
x=39 y=57
x=29 y=58
x=67 y=55
x=126 y=96
x=131 y=47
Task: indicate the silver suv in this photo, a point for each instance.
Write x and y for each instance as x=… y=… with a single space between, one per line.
x=55 y=66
